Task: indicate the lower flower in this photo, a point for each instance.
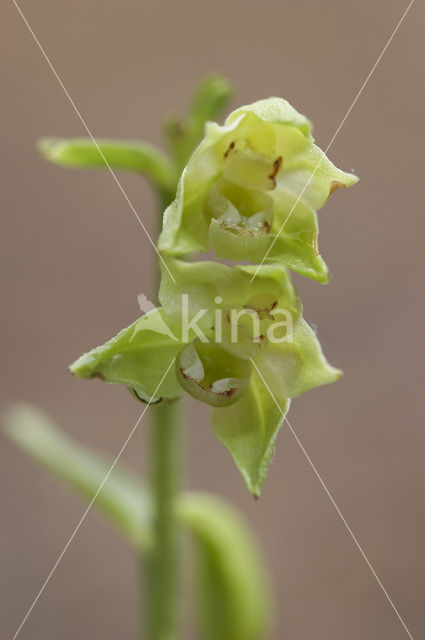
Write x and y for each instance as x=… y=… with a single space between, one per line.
x=241 y=347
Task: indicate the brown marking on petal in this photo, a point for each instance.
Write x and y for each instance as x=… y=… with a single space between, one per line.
x=276 y=166
x=184 y=374
x=229 y=149
x=274 y=305
x=187 y=377
x=335 y=184
x=257 y=232
x=262 y=312
x=233 y=229
x=269 y=313
x=225 y=394
x=97 y=375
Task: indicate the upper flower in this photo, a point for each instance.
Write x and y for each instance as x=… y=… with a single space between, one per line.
x=251 y=190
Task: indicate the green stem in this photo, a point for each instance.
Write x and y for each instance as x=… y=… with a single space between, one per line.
x=162 y=570
x=161 y=566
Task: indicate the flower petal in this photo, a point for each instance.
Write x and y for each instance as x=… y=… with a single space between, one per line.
x=249 y=430
x=137 y=357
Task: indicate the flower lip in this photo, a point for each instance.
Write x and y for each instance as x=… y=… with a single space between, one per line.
x=227 y=393
x=211 y=374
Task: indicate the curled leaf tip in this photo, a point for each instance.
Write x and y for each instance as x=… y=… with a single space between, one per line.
x=335 y=184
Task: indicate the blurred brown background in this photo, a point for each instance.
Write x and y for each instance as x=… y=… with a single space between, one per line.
x=74 y=259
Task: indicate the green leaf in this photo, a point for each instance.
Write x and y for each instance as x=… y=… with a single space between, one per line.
x=209 y=99
x=233 y=590
x=137 y=357
x=249 y=430
x=234 y=593
x=184 y=135
x=140 y=157
x=121 y=499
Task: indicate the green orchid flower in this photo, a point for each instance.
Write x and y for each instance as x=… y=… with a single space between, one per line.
x=241 y=347
x=251 y=190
